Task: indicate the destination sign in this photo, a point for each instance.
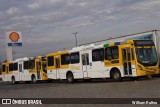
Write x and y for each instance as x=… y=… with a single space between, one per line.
x=143 y=43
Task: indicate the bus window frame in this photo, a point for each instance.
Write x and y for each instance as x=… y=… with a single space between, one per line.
x=63 y=59
x=111 y=51
x=74 y=61
x=99 y=50
x=11 y=67
x=49 y=64
x=3 y=68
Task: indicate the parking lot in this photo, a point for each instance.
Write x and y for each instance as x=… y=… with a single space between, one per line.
x=143 y=88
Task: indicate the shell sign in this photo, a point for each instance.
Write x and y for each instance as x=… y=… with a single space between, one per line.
x=14 y=38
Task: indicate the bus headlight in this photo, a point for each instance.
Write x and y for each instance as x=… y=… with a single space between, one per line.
x=139 y=67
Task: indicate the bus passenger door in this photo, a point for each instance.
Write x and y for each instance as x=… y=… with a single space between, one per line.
x=85 y=64
x=57 y=68
x=20 y=72
x=44 y=71
x=38 y=68
x=127 y=65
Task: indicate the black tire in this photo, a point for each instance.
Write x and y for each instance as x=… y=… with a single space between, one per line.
x=70 y=78
x=116 y=75
x=33 y=79
x=13 y=80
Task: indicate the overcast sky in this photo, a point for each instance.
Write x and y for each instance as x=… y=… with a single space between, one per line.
x=47 y=25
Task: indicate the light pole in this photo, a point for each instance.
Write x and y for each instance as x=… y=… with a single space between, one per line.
x=13 y=52
x=75 y=37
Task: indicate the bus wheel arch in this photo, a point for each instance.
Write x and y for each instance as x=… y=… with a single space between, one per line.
x=33 y=79
x=70 y=77
x=115 y=74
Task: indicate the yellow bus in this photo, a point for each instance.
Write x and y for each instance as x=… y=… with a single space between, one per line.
x=132 y=58
x=25 y=69
x=55 y=65
x=7 y=71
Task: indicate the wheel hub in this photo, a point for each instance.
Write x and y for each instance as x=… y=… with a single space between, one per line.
x=116 y=75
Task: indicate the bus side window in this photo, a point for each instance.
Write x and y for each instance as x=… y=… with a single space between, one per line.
x=111 y=53
x=65 y=59
x=3 y=68
x=15 y=66
x=50 y=61
x=32 y=64
x=74 y=58
x=98 y=54
x=11 y=67
x=25 y=65
x=115 y=53
x=108 y=54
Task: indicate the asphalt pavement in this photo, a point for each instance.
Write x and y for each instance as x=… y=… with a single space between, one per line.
x=143 y=88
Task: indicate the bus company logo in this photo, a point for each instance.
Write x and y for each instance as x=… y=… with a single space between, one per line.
x=14 y=37
x=6 y=101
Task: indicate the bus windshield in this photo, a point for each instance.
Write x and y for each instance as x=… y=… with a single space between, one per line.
x=147 y=56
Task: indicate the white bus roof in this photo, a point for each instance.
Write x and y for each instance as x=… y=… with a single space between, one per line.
x=21 y=59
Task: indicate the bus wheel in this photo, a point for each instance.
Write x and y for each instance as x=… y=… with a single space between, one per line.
x=116 y=76
x=70 y=77
x=13 y=80
x=33 y=79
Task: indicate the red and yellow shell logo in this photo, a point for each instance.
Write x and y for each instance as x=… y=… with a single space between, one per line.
x=14 y=37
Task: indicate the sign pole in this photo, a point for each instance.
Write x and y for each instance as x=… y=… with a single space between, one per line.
x=8 y=50
x=12 y=39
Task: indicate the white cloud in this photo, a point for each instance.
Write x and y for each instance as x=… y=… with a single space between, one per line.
x=83 y=24
x=54 y=1
x=50 y=19
x=42 y=4
x=83 y=4
x=34 y=5
x=13 y=10
x=149 y=5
